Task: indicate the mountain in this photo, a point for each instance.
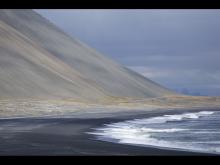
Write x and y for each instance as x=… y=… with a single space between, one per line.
x=38 y=60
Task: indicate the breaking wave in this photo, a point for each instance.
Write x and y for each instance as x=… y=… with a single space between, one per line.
x=196 y=132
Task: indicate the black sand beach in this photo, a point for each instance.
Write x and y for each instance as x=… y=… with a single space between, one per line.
x=45 y=71
x=67 y=136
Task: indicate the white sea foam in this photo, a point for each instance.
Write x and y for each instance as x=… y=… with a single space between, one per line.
x=165 y=118
x=137 y=132
x=195 y=115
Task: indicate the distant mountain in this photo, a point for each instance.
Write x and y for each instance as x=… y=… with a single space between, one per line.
x=38 y=60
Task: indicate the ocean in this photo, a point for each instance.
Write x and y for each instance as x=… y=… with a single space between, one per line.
x=190 y=131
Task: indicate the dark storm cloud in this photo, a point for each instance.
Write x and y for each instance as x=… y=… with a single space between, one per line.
x=177 y=48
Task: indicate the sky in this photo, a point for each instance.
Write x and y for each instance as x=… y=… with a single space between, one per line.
x=179 y=49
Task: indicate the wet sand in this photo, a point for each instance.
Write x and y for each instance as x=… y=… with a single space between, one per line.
x=67 y=136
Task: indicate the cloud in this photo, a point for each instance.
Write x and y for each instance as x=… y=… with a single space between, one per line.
x=194 y=80
x=177 y=48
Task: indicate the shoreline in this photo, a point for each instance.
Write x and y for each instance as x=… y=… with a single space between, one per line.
x=67 y=136
x=120 y=112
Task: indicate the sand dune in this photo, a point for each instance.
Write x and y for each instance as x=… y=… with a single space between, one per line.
x=38 y=60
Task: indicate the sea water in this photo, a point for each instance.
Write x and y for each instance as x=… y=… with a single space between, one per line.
x=195 y=131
